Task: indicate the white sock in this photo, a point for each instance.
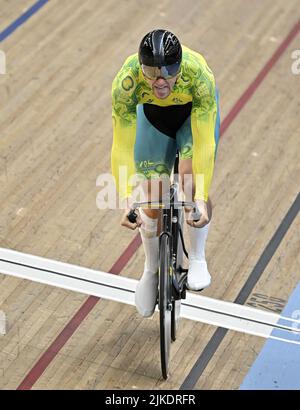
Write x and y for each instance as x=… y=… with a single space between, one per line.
x=198 y=238
x=146 y=291
x=198 y=275
x=150 y=240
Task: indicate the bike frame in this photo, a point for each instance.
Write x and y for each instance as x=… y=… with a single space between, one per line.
x=171 y=290
x=170 y=222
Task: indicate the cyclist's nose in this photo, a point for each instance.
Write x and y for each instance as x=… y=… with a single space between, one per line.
x=160 y=82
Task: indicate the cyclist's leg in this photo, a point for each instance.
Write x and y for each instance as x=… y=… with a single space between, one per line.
x=154 y=157
x=198 y=275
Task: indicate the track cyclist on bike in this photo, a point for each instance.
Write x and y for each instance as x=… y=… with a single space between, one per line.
x=164 y=99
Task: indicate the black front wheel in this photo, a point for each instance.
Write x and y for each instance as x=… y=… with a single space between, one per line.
x=176 y=303
x=165 y=304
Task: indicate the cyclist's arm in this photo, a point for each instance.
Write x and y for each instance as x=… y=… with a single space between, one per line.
x=124 y=131
x=204 y=113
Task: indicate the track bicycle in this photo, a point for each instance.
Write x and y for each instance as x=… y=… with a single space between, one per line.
x=172 y=282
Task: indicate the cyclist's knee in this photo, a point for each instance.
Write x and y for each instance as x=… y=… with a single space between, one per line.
x=152 y=213
x=149 y=227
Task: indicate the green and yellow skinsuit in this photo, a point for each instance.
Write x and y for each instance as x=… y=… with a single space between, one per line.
x=143 y=148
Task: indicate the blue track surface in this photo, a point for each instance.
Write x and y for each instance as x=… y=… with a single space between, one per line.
x=277 y=367
x=22 y=19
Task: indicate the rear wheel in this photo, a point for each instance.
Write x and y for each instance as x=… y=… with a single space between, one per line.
x=165 y=305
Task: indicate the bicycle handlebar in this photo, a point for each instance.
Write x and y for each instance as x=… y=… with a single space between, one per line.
x=132 y=216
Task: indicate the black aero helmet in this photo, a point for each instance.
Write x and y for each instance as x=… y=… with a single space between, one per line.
x=160 y=48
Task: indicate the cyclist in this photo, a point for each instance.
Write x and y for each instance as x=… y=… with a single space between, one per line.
x=164 y=98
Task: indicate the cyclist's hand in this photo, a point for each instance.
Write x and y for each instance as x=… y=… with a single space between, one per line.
x=125 y=221
x=204 y=219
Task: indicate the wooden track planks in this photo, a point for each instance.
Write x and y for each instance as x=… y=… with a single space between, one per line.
x=55 y=141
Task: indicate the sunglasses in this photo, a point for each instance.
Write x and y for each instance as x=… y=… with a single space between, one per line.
x=166 y=72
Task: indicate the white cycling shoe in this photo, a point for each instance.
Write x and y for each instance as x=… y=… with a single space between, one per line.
x=146 y=294
x=198 y=276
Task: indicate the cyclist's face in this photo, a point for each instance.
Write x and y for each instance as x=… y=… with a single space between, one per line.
x=161 y=87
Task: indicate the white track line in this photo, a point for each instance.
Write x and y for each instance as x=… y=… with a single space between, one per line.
x=2 y=323
x=121 y=289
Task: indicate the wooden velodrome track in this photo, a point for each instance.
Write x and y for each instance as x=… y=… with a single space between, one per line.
x=56 y=137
